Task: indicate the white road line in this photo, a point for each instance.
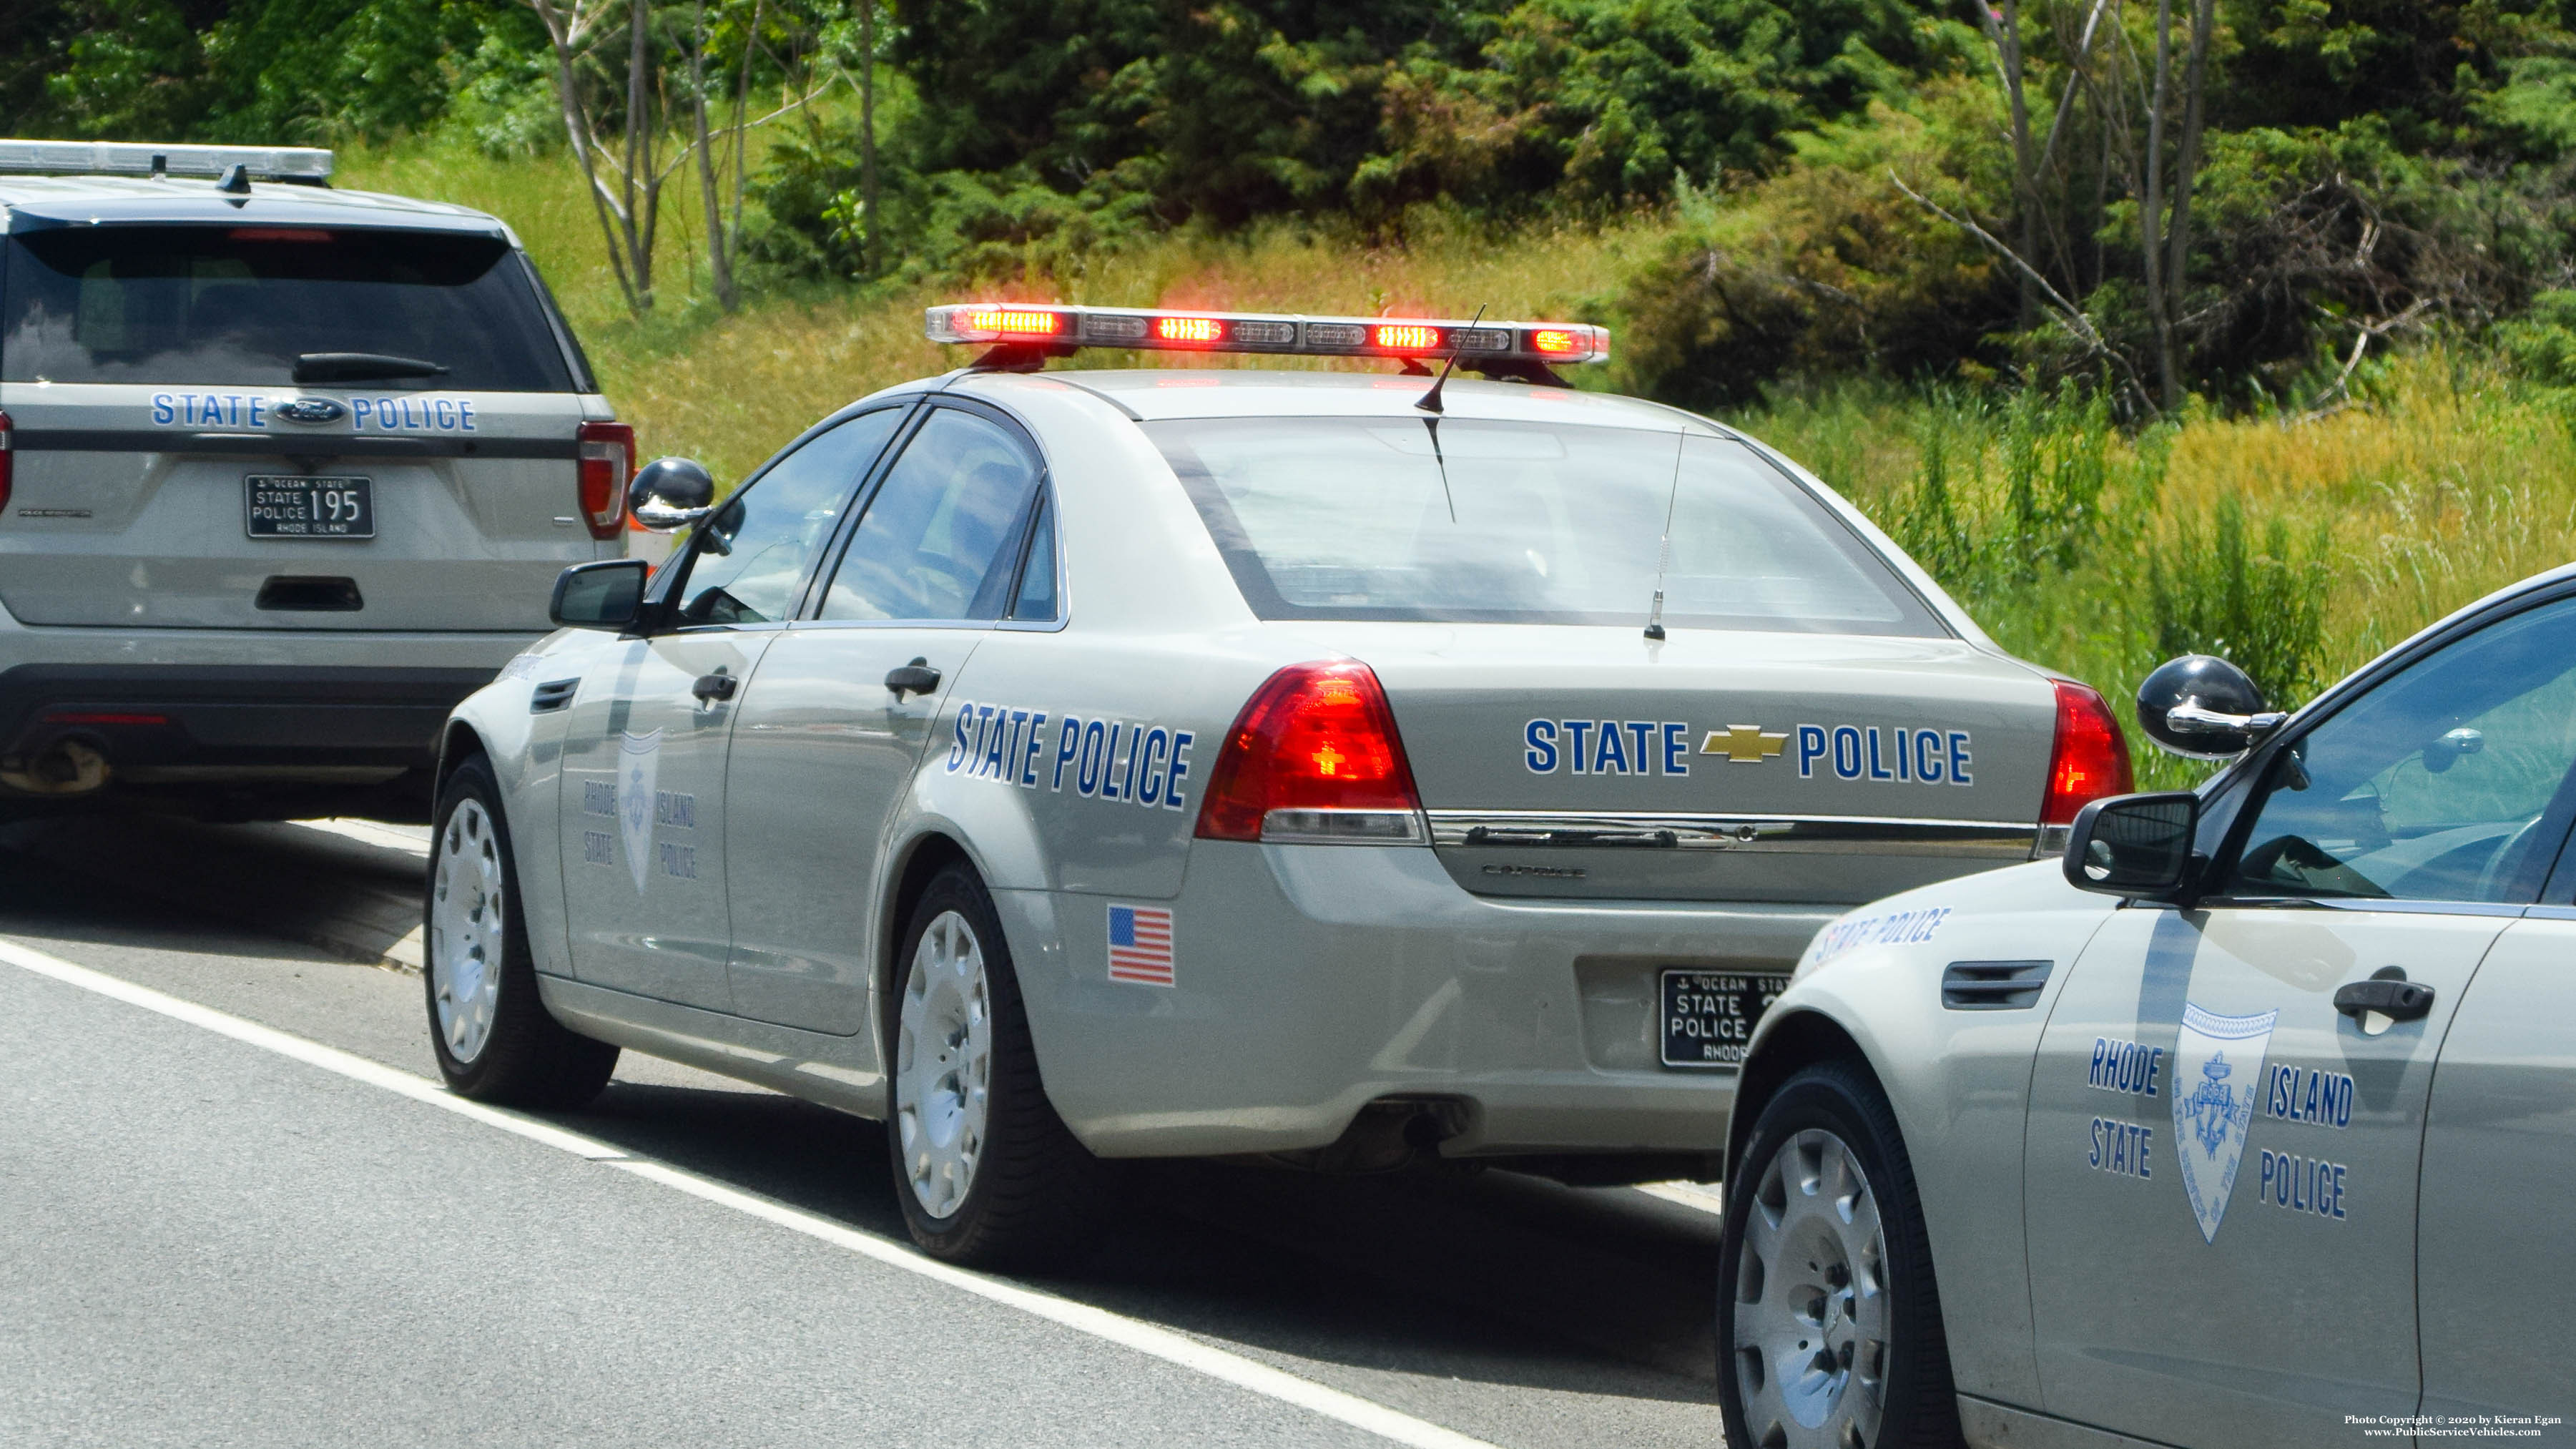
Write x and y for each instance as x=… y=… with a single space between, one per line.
x=1688 y=1194
x=1100 y=1323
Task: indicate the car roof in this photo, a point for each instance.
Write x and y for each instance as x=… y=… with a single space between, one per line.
x=1156 y=394
x=112 y=199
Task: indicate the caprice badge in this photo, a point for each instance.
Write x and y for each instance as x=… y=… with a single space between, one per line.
x=311 y=410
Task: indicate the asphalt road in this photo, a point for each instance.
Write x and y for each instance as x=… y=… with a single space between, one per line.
x=234 y=1209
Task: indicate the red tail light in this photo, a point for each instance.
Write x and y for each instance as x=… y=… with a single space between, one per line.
x=8 y=463
x=607 y=461
x=1314 y=756
x=2091 y=758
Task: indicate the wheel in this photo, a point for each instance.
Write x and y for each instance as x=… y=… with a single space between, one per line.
x=987 y=1173
x=495 y=1040
x=1828 y=1322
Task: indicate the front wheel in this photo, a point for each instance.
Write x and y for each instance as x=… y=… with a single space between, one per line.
x=494 y=1038
x=1828 y=1321
x=987 y=1173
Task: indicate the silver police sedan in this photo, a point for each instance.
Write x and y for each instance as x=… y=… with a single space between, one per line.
x=1323 y=766
x=2248 y=1124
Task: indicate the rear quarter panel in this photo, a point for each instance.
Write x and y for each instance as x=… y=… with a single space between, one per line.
x=1959 y=1080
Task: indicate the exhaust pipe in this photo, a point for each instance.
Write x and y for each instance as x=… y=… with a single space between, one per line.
x=65 y=767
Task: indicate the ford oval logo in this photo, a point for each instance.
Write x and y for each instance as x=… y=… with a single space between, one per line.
x=311 y=410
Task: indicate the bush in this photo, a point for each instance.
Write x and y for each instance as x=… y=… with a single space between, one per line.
x=2263 y=610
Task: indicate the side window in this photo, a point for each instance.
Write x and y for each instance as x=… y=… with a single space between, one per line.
x=747 y=561
x=938 y=539
x=1035 y=597
x=2437 y=784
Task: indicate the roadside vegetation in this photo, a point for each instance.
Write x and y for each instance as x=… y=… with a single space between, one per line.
x=2246 y=326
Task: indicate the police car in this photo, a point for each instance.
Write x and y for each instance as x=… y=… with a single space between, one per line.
x=2245 y=1124
x=1328 y=767
x=285 y=473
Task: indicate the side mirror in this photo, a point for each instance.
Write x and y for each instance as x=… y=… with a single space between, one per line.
x=602 y=595
x=670 y=493
x=2203 y=708
x=2133 y=845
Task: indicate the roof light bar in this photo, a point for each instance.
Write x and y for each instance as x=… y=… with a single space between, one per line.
x=1055 y=327
x=140 y=158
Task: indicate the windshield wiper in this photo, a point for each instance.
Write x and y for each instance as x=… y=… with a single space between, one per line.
x=361 y=367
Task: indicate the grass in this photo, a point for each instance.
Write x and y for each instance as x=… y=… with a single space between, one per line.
x=2299 y=547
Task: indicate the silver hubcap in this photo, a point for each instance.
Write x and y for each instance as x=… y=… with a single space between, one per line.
x=468 y=910
x=943 y=1074
x=1810 y=1324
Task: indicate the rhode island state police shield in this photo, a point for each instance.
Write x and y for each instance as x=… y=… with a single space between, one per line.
x=2216 y=1063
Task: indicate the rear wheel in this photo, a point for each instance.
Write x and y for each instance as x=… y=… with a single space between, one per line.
x=495 y=1040
x=1827 y=1317
x=987 y=1173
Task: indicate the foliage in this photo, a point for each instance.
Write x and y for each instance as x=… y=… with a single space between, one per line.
x=2262 y=609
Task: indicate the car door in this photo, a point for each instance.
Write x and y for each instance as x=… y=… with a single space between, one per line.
x=644 y=754
x=2499 y=1154
x=2221 y=1163
x=825 y=749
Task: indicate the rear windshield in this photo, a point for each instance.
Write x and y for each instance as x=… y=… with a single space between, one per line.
x=1466 y=521
x=235 y=306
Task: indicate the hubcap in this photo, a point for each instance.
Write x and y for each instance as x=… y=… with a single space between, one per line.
x=943 y=1078
x=467 y=915
x=1810 y=1350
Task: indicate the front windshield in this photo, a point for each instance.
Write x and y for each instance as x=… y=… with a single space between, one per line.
x=1477 y=521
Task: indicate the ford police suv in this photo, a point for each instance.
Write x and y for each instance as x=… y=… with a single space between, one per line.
x=1314 y=765
x=285 y=472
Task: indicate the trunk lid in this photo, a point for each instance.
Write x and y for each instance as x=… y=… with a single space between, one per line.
x=1714 y=765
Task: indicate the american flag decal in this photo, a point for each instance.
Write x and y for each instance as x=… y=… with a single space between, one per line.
x=1140 y=945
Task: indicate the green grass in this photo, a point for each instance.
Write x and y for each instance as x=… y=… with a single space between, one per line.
x=2300 y=547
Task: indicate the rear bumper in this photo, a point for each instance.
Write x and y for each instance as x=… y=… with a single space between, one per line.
x=158 y=723
x=1310 y=981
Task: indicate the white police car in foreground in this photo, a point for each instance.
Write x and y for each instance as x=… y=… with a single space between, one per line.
x=1325 y=766
x=2248 y=1124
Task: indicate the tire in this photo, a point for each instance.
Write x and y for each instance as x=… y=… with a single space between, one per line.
x=987 y=1174
x=1829 y=1323
x=495 y=1040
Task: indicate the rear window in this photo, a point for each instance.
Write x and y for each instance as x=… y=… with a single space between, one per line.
x=1472 y=521
x=236 y=306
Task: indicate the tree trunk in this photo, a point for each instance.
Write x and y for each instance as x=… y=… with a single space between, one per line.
x=639 y=155
x=2151 y=213
x=719 y=265
x=2003 y=28
x=2186 y=167
x=868 y=135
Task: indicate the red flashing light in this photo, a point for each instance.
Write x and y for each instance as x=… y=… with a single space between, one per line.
x=1189 y=329
x=2090 y=759
x=1001 y=319
x=1314 y=737
x=1555 y=340
x=1407 y=338
x=607 y=461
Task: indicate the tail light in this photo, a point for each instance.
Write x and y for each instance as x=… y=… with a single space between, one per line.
x=1314 y=758
x=8 y=463
x=607 y=461
x=2091 y=758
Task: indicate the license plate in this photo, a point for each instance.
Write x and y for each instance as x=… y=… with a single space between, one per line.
x=296 y=506
x=1709 y=1015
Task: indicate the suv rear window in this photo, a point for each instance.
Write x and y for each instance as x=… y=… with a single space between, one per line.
x=235 y=306
x=1534 y=523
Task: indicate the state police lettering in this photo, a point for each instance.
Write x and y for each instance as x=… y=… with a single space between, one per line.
x=2124 y=1066
x=2123 y=1149
x=1888 y=754
x=1133 y=764
x=2304 y=1094
x=397 y=414
x=1904 y=928
x=1607 y=746
x=2303 y=1184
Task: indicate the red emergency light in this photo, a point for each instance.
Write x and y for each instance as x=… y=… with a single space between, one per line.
x=1506 y=347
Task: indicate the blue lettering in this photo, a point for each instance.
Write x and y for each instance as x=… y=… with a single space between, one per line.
x=1811 y=748
x=1109 y=766
x=1644 y=732
x=1086 y=776
x=258 y=412
x=1173 y=799
x=1575 y=731
x=1877 y=771
x=957 y=751
x=1927 y=757
x=1677 y=748
x=1846 y=752
x=1610 y=757
x=994 y=736
x=445 y=411
x=1959 y=758
x=465 y=415
x=358 y=407
x=1068 y=743
x=1010 y=767
x=1540 y=757
x=162 y=413
x=1149 y=787
x=1029 y=757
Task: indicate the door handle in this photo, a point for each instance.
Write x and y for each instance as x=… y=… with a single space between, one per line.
x=2387 y=992
x=713 y=687
x=914 y=678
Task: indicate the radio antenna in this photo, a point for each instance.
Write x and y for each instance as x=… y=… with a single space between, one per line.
x=1664 y=549
x=1429 y=402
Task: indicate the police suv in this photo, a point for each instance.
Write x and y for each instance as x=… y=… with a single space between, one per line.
x=2246 y=1124
x=1324 y=766
x=285 y=472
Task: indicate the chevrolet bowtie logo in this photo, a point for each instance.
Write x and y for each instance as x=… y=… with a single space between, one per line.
x=1742 y=744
